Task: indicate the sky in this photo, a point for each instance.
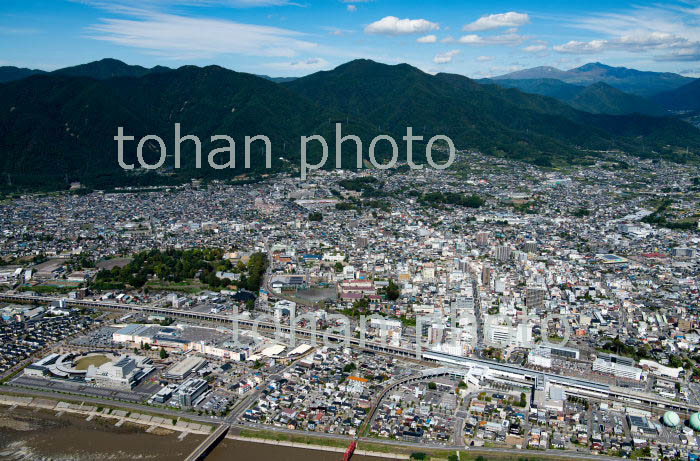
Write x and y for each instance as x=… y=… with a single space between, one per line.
x=299 y=37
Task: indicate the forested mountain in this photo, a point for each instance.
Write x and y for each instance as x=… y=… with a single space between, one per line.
x=56 y=127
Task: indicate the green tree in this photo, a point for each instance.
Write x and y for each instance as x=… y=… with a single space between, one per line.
x=393 y=291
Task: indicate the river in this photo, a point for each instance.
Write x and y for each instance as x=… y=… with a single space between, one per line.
x=40 y=435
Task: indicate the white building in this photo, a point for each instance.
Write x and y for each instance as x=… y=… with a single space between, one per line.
x=617 y=366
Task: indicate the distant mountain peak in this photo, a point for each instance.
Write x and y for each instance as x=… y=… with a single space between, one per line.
x=547 y=69
x=640 y=83
x=593 y=66
x=535 y=72
x=108 y=61
x=108 y=68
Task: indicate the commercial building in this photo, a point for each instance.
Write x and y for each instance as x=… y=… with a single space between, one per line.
x=120 y=372
x=123 y=374
x=620 y=367
x=561 y=351
x=188 y=393
x=184 y=368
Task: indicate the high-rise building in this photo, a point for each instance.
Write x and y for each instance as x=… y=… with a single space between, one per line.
x=482 y=238
x=503 y=252
x=534 y=298
x=463 y=265
x=485 y=275
x=436 y=333
x=530 y=246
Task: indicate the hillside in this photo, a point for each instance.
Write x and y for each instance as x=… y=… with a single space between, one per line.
x=11 y=73
x=601 y=98
x=598 y=98
x=543 y=86
x=685 y=98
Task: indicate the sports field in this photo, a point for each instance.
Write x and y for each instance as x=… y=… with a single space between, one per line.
x=85 y=362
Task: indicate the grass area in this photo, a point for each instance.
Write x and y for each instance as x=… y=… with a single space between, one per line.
x=109 y=408
x=301 y=438
x=190 y=286
x=435 y=454
x=97 y=360
x=49 y=289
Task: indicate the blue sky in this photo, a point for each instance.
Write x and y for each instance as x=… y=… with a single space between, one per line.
x=298 y=37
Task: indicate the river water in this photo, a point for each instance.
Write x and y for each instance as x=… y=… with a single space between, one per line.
x=40 y=435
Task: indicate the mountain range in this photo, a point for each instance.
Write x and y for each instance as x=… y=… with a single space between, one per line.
x=59 y=126
x=641 y=83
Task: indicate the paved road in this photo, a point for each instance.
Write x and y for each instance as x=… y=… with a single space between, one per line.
x=10 y=389
x=479 y=315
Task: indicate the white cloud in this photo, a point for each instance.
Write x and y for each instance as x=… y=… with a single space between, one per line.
x=636 y=42
x=337 y=32
x=497 y=70
x=577 y=47
x=695 y=73
x=391 y=25
x=485 y=58
x=510 y=38
x=159 y=4
x=248 y=3
x=444 y=58
x=303 y=65
x=19 y=30
x=427 y=39
x=352 y=8
x=665 y=33
x=535 y=48
x=180 y=37
x=494 y=21
x=690 y=54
